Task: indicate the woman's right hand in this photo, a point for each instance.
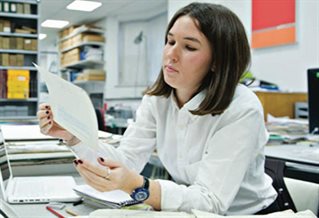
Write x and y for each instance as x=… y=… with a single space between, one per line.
x=49 y=127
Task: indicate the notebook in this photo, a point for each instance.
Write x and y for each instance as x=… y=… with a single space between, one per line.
x=33 y=189
x=112 y=199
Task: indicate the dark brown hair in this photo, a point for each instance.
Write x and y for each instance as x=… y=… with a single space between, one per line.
x=230 y=55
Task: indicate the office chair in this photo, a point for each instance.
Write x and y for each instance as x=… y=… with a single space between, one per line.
x=275 y=169
x=304 y=194
x=100 y=119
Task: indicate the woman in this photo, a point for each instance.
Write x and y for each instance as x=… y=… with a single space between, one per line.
x=208 y=130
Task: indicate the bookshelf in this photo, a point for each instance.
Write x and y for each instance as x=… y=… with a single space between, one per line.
x=81 y=59
x=19 y=28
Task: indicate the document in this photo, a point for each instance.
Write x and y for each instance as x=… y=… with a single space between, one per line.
x=72 y=108
x=113 y=199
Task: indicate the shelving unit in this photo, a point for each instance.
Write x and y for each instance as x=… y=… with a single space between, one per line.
x=19 y=28
x=81 y=52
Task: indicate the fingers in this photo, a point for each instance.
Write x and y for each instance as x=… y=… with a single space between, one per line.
x=44 y=106
x=45 y=120
x=99 y=171
x=92 y=179
x=108 y=163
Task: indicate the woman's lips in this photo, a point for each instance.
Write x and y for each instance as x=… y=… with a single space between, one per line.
x=170 y=69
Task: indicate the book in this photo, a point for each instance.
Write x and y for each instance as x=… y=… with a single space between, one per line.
x=112 y=199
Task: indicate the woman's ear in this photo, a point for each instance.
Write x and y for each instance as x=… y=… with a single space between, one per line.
x=213 y=68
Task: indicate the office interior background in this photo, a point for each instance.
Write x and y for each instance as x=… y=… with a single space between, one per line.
x=128 y=47
x=114 y=53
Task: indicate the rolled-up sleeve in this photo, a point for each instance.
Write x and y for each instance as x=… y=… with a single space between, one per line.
x=136 y=145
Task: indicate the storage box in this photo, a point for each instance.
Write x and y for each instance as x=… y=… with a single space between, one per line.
x=4 y=59
x=5 y=42
x=18 y=84
x=12 y=59
x=27 y=45
x=26 y=8
x=20 y=60
x=20 y=43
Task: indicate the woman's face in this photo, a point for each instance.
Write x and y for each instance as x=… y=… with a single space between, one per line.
x=187 y=56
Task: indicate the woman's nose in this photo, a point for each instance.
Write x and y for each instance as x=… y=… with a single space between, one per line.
x=173 y=53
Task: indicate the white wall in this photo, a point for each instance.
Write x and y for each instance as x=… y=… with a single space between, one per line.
x=154 y=32
x=287 y=65
x=283 y=65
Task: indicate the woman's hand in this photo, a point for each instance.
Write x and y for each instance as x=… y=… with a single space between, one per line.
x=109 y=176
x=49 y=127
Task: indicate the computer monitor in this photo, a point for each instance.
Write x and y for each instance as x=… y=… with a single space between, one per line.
x=313 y=100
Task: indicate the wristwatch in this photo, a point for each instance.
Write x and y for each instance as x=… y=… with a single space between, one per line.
x=142 y=193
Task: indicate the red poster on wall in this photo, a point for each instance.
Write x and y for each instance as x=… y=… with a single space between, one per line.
x=273 y=23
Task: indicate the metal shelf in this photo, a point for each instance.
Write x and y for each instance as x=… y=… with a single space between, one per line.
x=18 y=51
x=19 y=35
x=23 y=16
x=83 y=44
x=17 y=68
x=15 y=118
x=84 y=64
x=19 y=100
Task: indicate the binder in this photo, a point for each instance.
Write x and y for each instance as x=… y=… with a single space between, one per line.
x=112 y=199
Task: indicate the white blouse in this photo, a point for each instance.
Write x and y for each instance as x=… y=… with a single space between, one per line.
x=216 y=162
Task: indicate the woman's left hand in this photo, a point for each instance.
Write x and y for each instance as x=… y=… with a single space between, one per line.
x=109 y=176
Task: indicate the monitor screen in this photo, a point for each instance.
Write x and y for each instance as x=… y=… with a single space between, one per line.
x=313 y=100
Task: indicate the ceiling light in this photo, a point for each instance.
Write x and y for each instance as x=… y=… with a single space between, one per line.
x=55 y=23
x=42 y=36
x=81 y=5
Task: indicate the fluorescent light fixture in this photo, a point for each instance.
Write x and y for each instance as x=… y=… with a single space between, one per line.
x=58 y=24
x=42 y=36
x=81 y=5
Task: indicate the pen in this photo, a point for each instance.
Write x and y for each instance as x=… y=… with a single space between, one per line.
x=54 y=212
x=71 y=212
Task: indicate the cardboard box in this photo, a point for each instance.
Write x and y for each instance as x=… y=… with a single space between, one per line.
x=13 y=42
x=7 y=26
x=12 y=60
x=27 y=45
x=4 y=59
x=34 y=44
x=20 y=8
x=93 y=38
x=5 y=43
x=20 y=43
x=20 y=60
x=26 y=8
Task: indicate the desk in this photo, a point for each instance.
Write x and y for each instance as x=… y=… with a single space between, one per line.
x=302 y=154
x=302 y=161
x=40 y=211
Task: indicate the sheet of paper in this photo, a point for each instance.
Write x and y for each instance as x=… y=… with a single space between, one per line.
x=72 y=108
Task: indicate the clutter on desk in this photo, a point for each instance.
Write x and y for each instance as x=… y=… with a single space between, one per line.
x=256 y=84
x=110 y=199
x=284 y=130
x=35 y=147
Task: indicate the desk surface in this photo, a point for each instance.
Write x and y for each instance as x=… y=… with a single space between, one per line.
x=40 y=211
x=303 y=154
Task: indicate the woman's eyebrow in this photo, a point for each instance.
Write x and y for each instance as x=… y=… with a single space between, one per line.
x=193 y=39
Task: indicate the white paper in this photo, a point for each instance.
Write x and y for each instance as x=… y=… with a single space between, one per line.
x=72 y=108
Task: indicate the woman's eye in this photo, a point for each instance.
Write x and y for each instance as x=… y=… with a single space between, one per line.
x=190 y=48
x=171 y=42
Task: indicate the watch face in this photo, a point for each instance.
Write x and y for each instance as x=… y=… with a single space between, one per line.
x=140 y=194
